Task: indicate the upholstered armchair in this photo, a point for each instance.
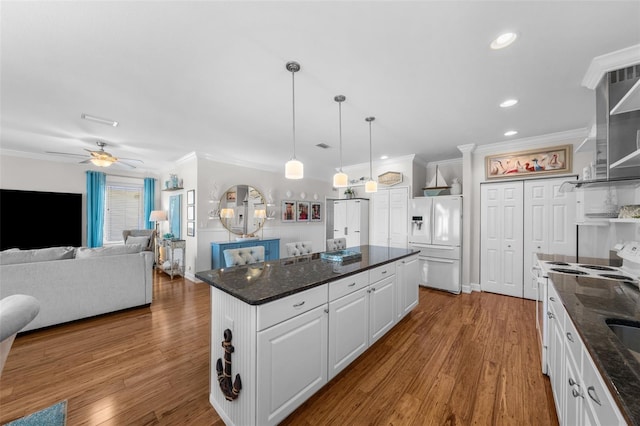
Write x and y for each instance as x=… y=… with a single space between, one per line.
x=334 y=244
x=146 y=237
x=243 y=256
x=299 y=248
x=16 y=311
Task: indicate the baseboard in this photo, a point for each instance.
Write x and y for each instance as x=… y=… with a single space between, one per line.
x=475 y=287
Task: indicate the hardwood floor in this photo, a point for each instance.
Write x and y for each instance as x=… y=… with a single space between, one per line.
x=467 y=359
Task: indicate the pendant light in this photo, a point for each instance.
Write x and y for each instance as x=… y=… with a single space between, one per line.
x=294 y=169
x=371 y=185
x=340 y=179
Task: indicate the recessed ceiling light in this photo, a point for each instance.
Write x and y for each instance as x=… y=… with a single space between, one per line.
x=510 y=133
x=503 y=40
x=99 y=120
x=384 y=157
x=508 y=103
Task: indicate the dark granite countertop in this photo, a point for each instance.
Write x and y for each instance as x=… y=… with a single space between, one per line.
x=589 y=302
x=264 y=282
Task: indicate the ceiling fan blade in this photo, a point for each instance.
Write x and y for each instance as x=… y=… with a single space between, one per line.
x=122 y=163
x=131 y=159
x=87 y=161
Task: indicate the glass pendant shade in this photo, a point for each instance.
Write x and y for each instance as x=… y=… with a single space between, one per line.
x=294 y=169
x=340 y=180
x=371 y=186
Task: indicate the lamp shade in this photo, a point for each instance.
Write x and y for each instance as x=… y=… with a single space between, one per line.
x=226 y=213
x=102 y=162
x=371 y=186
x=340 y=180
x=294 y=169
x=260 y=214
x=158 y=216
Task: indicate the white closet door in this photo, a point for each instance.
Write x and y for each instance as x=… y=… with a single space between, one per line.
x=501 y=247
x=398 y=217
x=339 y=219
x=548 y=224
x=380 y=218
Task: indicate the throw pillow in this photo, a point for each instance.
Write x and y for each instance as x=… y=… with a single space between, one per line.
x=86 y=252
x=13 y=257
x=143 y=241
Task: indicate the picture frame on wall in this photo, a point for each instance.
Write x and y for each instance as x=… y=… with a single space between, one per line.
x=302 y=211
x=316 y=211
x=191 y=229
x=288 y=211
x=191 y=212
x=531 y=163
x=191 y=197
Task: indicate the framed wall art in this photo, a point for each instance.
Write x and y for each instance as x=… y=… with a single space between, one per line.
x=288 y=211
x=530 y=163
x=191 y=213
x=302 y=210
x=316 y=211
x=191 y=197
x=191 y=229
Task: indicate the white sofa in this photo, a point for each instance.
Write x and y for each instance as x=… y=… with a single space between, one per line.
x=75 y=283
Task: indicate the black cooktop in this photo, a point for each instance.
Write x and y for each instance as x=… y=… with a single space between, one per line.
x=597 y=267
x=569 y=271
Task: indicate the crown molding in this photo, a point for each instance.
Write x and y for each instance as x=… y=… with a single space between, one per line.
x=468 y=148
x=444 y=162
x=600 y=65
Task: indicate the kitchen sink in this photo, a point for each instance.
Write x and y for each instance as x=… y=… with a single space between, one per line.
x=628 y=332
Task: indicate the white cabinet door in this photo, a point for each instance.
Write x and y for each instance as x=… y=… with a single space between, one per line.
x=340 y=219
x=398 y=217
x=572 y=392
x=382 y=307
x=348 y=329
x=556 y=364
x=380 y=218
x=354 y=211
x=407 y=278
x=501 y=246
x=548 y=224
x=292 y=364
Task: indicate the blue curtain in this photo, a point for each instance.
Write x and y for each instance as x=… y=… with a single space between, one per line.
x=149 y=201
x=96 y=183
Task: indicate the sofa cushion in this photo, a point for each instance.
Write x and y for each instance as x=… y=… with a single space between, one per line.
x=86 y=252
x=12 y=256
x=143 y=241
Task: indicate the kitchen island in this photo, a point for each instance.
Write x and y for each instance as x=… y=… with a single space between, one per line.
x=280 y=330
x=587 y=304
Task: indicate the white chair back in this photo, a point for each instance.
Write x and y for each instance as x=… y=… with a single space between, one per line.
x=299 y=248
x=243 y=256
x=334 y=244
x=16 y=311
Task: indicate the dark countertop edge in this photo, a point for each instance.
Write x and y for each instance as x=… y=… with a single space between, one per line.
x=301 y=289
x=612 y=379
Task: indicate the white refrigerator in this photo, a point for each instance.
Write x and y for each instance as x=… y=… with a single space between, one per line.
x=436 y=230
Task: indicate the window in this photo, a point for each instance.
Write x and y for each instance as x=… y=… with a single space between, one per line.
x=123 y=207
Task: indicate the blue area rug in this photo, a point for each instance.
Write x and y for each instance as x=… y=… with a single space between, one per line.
x=56 y=415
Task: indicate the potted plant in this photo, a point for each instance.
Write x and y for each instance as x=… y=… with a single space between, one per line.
x=349 y=193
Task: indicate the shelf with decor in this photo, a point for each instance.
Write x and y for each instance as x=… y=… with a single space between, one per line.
x=173 y=189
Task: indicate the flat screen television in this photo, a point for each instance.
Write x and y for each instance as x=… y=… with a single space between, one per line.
x=36 y=219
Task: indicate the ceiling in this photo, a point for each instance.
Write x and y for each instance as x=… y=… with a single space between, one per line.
x=209 y=76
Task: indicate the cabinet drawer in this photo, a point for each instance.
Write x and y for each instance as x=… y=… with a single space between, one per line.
x=347 y=285
x=572 y=340
x=555 y=305
x=384 y=271
x=288 y=307
x=597 y=396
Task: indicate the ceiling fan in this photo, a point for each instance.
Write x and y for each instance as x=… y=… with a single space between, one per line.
x=100 y=157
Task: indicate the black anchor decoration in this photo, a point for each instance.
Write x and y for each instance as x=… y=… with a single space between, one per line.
x=229 y=390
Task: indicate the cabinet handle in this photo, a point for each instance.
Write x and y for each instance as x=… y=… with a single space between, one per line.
x=550 y=315
x=297 y=305
x=571 y=381
x=326 y=311
x=593 y=395
x=575 y=393
x=373 y=289
x=509 y=246
x=538 y=247
x=384 y=272
x=553 y=299
x=569 y=337
x=346 y=232
x=351 y=285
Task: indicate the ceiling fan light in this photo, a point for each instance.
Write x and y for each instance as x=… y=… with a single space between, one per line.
x=371 y=186
x=340 y=180
x=102 y=162
x=294 y=169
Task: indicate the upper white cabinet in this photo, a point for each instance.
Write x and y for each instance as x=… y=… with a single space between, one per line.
x=389 y=217
x=351 y=221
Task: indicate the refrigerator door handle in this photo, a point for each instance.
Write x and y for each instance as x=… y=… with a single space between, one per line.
x=429 y=246
x=434 y=259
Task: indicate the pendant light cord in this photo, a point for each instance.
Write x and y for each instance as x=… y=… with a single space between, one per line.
x=340 y=121
x=293 y=92
x=370 y=154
